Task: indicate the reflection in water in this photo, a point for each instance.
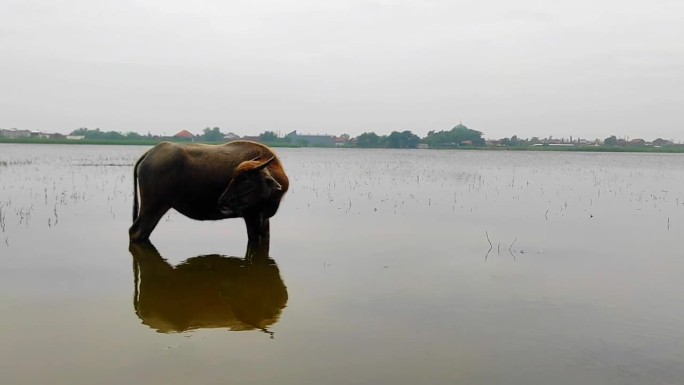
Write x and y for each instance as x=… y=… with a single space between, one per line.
x=208 y=291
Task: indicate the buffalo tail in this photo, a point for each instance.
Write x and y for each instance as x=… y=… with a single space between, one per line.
x=135 y=188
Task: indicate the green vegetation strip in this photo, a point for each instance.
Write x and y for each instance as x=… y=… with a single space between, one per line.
x=128 y=142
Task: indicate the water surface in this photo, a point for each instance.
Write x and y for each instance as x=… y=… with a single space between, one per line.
x=403 y=267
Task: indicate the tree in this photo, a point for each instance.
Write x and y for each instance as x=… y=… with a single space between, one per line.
x=268 y=137
x=80 y=132
x=455 y=137
x=96 y=134
x=212 y=134
x=133 y=135
x=405 y=139
x=368 y=139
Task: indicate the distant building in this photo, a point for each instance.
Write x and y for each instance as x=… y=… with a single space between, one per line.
x=44 y=135
x=185 y=134
x=636 y=142
x=423 y=146
x=311 y=140
x=660 y=142
x=231 y=136
x=55 y=135
x=341 y=140
x=75 y=137
x=251 y=138
x=14 y=133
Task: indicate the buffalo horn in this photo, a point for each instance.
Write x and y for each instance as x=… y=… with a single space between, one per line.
x=263 y=165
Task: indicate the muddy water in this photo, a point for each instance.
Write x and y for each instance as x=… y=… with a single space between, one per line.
x=399 y=267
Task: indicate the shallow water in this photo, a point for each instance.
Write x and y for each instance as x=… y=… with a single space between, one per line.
x=403 y=267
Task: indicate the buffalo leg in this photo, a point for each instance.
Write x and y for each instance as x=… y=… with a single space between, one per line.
x=257 y=252
x=147 y=220
x=147 y=259
x=258 y=231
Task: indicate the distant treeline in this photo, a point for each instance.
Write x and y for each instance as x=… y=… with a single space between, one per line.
x=459 y=136
x=456 y=137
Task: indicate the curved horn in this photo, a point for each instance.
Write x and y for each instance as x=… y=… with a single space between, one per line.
x=263 y=165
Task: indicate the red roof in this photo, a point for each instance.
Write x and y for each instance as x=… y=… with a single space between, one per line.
x=184 y=134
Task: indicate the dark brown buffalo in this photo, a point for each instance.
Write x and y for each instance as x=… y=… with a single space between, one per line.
x=208 y=291
x=208 y=182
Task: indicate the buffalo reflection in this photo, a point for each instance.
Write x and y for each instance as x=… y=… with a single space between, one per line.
x=208 y=291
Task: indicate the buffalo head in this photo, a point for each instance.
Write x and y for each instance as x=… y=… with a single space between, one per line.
x=252 y=183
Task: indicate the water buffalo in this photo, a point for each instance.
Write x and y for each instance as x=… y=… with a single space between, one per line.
x=208 y=182
x=208 y=291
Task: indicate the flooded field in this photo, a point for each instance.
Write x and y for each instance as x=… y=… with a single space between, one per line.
x=390 y=267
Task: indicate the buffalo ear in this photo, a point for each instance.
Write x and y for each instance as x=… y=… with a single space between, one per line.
x=262 y=165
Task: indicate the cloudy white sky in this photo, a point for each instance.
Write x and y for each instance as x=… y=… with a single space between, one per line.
x=586 y=68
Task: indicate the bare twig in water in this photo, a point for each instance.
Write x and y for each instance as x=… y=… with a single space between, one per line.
x=2 y=220
x=490 y=245
x=511 y=246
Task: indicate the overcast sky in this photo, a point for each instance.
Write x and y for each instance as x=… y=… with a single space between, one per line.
x=586 y=68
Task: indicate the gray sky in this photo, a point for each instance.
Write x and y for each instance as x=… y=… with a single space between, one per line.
x=587 y=68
